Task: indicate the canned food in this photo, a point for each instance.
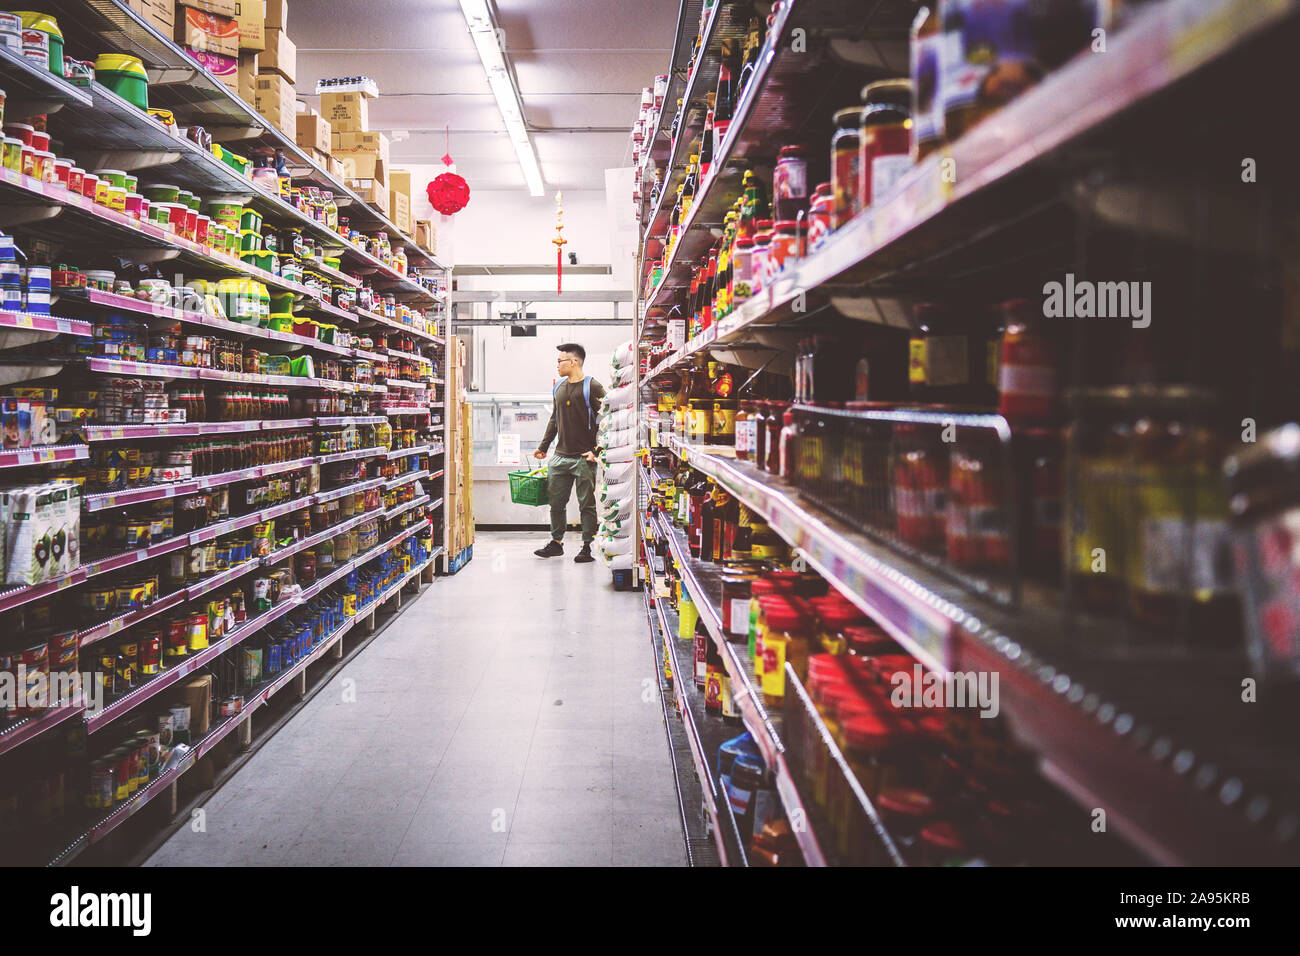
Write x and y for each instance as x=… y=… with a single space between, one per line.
x=216 y=618
x=197 y=632
x=101 y=792
x=129 y=597
x=151 y=652
x=180 y=724
x=100 y=600
x=138 y=533
x=166 y=729
x=177 y=639
x=126 y=782
x=140 y=750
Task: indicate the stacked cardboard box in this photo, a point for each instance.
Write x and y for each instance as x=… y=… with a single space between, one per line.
x=399 y=198
x=314 y=136
x=160 y=14
x=277 y=67
x=250 y=16
x=426 y=236
x=209 y=32
x=362 y=153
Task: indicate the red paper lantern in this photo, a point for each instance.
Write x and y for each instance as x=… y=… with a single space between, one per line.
x=448 y=193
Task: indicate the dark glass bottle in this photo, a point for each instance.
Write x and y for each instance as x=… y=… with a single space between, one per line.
x=724 y=101
x=749 y=58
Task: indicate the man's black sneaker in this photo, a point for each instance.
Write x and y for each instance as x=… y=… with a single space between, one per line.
x=583 y=556
x=551 y=550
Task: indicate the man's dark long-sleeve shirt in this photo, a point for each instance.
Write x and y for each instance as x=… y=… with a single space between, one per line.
x=569 y=418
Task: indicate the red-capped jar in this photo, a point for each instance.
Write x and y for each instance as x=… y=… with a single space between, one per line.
x=886 y=138
x=790 y=183
x=786 y=240
x=1029 y=371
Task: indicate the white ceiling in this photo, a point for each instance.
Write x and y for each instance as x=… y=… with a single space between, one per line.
x=580 y=64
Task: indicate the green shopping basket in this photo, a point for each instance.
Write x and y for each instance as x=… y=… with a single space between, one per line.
x=528 y=488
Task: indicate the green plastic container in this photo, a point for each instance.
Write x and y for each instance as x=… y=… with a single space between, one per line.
x=233 y=160
x=260 y=260
x=526 y=489
x=34 y=20
x=250 y=241
x=282 y=304
x=162 y=192
x=122 y=74
x=225 y=213
x=250 y=220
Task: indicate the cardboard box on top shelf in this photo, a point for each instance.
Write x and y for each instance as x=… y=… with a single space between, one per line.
x=364 y=164
x=426 y=236
x=277 y=14
x=225 y=8
x=251 y=17
x=313 y=132
x=160 y=14
x=372 y=191
x=277 y=101
x=399 y=208
x=224 y=68
x=346 y=112
x=247 y=76
x=207 y=32
x=399 y=181
x=337 y=168
x=280 y=55
x=316 y=156
x=361 y=141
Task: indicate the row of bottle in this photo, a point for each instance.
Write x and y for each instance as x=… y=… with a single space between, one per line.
x=1004 y=357
x=739 y=60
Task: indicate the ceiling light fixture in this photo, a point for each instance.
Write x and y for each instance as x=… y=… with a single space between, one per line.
x=483 y=30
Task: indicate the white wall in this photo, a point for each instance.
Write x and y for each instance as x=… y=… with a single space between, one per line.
x=512 y=228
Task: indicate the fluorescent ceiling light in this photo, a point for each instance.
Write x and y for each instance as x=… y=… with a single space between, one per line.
x=483 y=30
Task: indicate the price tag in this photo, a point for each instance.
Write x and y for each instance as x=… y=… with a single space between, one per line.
x=25 y=457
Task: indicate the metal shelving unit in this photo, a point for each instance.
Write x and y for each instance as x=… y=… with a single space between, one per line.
x=75 y=843
x=179 y=84
x=1184 y=783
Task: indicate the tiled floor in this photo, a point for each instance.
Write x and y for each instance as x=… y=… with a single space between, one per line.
x=507 y=718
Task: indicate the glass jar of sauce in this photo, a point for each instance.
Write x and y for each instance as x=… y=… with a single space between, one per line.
x=845 y=164
x=885 y=137
x=786 y=640
x=790 y=184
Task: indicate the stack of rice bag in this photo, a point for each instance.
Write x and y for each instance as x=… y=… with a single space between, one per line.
x=616 y=492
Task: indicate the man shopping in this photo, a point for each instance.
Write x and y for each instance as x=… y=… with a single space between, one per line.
x=573 y=417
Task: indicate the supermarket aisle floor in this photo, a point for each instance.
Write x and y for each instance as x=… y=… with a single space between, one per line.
x=503 y=720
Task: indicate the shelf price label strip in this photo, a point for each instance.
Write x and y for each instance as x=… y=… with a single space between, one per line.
x=919 y=620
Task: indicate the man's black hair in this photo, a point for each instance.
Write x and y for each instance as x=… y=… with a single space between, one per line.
x=573 y=348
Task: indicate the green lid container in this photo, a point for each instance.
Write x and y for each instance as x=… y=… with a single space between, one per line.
x=260 y=260
x=122 y=74
x=34 y=20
